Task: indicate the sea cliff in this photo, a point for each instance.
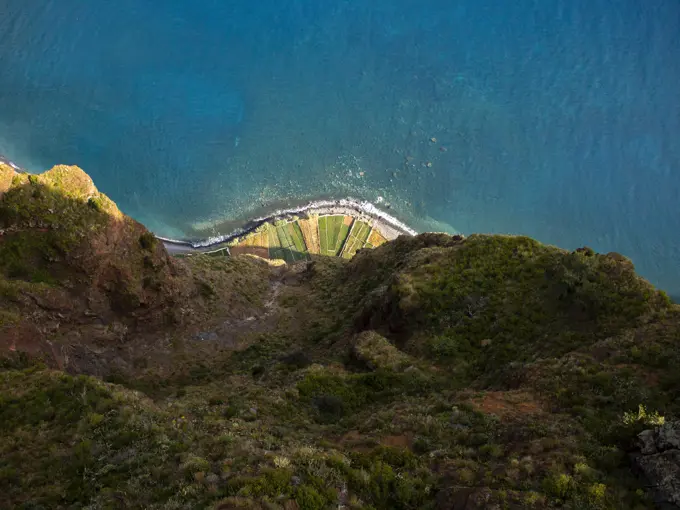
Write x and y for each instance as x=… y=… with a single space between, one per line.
x=434 y=371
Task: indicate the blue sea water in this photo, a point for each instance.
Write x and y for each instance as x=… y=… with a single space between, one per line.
x=555 y=119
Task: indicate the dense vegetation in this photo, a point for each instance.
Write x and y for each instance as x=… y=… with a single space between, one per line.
x=432 y=372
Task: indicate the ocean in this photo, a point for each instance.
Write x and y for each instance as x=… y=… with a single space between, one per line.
x=555 y=119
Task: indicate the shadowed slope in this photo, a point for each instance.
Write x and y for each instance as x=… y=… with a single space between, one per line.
x=74 y=270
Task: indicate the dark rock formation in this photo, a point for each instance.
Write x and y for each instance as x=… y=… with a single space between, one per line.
x=659 y=461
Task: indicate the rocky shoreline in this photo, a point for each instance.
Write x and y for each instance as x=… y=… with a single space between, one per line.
x=388 y=226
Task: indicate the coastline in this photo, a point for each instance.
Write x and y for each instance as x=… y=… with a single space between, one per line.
x=389 y=226
x=11 y=163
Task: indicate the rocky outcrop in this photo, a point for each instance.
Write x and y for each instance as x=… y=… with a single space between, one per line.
x=58 y=228
x=75 y=270
x=659 y=461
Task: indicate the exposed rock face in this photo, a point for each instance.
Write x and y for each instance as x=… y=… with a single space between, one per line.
x=660 y=462
x=74 y=269
x=59 y=228
x=669 y=436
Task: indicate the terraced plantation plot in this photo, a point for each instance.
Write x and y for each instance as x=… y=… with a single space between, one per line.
x=292 y=242
x=375 y=239
x=254 y=244
x=296 y=240
x=356 y=239
x=310 y=233
x=333 y=231
x=275 y=249
x=258 y=239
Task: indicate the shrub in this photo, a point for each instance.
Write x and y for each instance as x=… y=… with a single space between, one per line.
x=559 y=486
x=272 y=482
x=336 y=395
x=597 y=494
x=148 y=241
x=308 y=498
x=96 y=203
x=643 y=417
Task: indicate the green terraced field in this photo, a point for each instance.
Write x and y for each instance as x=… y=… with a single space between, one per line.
x=275 y=249
x=291 y=242
x=298 y=238
x=323 y=236
x=332 y=234
x=357 y=239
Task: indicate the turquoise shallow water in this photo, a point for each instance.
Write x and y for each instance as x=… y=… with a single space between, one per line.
x=559 y=120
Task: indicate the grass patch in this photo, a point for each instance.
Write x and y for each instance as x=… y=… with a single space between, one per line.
x=30 y=256
x=298 y=238
x=334 y=396
x=332 y=233
x=356 y=239
x=68 y=440
x=276 y=251
x=291 y=242
x=323 y=235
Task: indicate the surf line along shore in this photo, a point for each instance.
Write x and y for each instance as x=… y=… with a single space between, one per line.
x=389 y=226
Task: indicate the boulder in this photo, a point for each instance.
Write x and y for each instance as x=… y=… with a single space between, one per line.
x=669 y=436
x=659 y=461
